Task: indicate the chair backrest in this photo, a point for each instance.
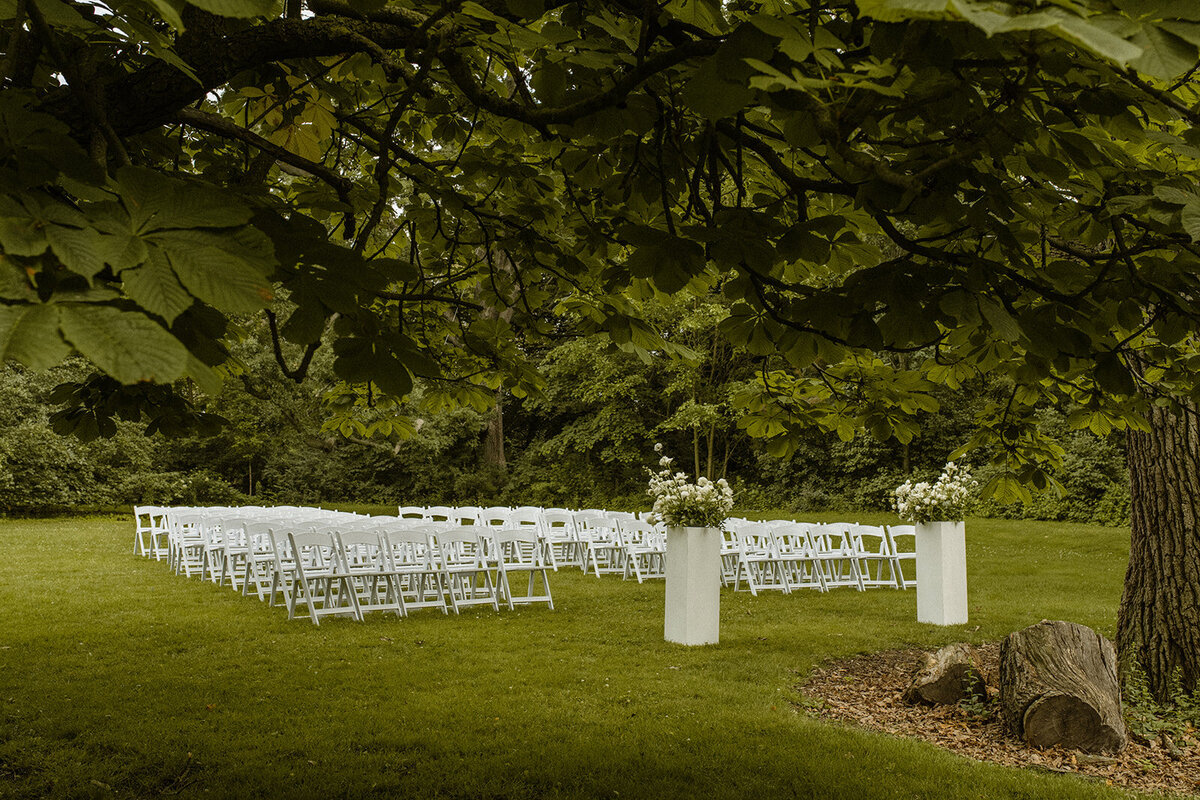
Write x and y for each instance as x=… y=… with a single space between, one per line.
x=494 y=517
x=755 y=537
x=792 y=538
x=360 y=548
x=530 y=509
x=466 y=515
x=902 y=538
x=458 y=545
x=596 y=527
x=438 y=513
x=558 y=524
x=525 y=517
x=314 y=549
x=637 y=532
x=517 y=545
x=411 y=512
x=869 y=539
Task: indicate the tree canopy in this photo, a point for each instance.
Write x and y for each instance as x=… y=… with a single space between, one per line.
x=426 y=188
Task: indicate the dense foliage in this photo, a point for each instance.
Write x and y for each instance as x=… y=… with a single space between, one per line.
x=585 y=443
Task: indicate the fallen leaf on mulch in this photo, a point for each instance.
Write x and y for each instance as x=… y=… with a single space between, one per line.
x=865 y=690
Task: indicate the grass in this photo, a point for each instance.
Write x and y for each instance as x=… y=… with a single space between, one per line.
x=120 y=679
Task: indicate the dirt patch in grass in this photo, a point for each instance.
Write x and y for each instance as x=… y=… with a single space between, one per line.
x=865 y=691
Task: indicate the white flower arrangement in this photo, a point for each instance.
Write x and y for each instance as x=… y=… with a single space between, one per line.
x=679 y=503
x=947 y=499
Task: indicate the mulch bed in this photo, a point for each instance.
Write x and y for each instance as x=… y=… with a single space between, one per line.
x=865 y=691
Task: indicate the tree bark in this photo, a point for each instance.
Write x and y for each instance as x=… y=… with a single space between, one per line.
x=951 y=674
x=1058 y=686
x=1158 y=626
x=493 y=445
x=712 y=432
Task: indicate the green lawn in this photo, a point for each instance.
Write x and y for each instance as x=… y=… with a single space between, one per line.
x=120 y=679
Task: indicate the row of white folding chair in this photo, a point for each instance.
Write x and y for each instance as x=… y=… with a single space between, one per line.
x=252 y=547
x=587 y=539
x=230 y=549
x=880 y=549
x=200 y=545
x=348 y=569
x=783 y=555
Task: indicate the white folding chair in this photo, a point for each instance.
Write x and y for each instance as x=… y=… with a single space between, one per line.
x=873 y=554
x=834 y=553
x=459 y=554
x=495 y=517
x=797 y=556
x=407 y=556
x=645 y=550
x=559 y=529
x=530 y=517
x=466 y=515
x=186 y=540
x=759 y=560
x=321 y=579
x=602 y=551
x=902 y=539
x=362 y=551
x=147 y=521
x=439 y=514
x=521 y=550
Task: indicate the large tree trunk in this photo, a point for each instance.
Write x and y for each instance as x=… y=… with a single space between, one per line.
x=493 y=445
x=1158 y=626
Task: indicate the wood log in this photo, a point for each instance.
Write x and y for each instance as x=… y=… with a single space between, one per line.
x=951 y=674
x=1058 y=686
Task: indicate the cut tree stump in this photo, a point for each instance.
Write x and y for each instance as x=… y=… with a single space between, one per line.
x=951 y=674
x=1058 y=686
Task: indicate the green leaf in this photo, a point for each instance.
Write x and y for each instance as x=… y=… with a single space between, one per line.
x=1100 y=424
x=1001 y=321
x=1169 y=194
x=1006 y=488
x=1191 y=219
x=171 y=11
x=1112 y=375
x=205 y=376
x=14 y=282
x=22 y=236
x=128 y=346
x=526 y=9
x=220 y=280
x=720 y=88
x=79 y=249
x=236 y=8
x=1164 y=55
x=61 y=15
x=29 y=334
x=156 y=202
x=901 y=10
x=1098 y=40
x=155 y=288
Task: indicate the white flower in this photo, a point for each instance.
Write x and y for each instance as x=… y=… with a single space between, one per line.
x=948 y=498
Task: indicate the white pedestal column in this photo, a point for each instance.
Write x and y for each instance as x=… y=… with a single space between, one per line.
x=942 y=573
x=693 y=612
